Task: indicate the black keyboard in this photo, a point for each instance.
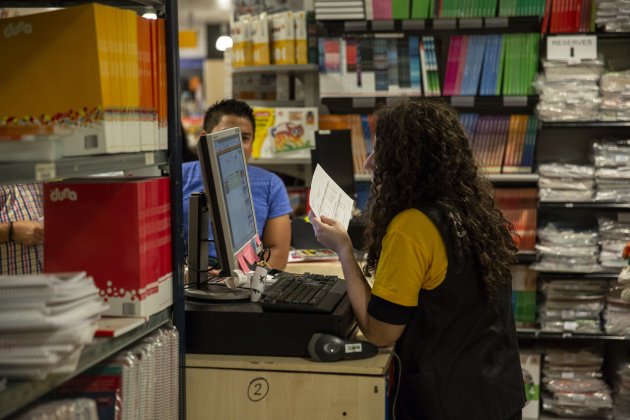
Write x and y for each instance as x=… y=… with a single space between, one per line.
x=303 y=293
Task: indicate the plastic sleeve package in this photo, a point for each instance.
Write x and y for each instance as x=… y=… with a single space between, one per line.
x=566 y=183
x=71 y=409
x=571 y=386
x=566 y=170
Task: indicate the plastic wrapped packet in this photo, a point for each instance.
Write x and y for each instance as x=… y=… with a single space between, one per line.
x=597 y=399
x=71 y=409
x=551 y=233
x=582 y=385
x=566 y=183
x=566 y=170
x=555 y=195
x=576 y=410
x=618 y=81
x=582 y=326
x=567 y=251
x=580 y=357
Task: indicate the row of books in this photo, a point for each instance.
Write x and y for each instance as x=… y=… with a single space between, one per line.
x=378 y=66
x=502 y=143
x=362 y=134
x=94 y=73
x=519 y=206
x=491 y=64
x=279 y=38
x=425 y=9
x=566 y=16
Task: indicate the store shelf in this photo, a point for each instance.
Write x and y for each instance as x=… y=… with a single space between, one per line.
x=280 y=161
x=585 y=124
x=536 y=334
x=25 y=172
x=277 y=68
x=525 y=257
x=479 y=104
x=590 y=205
x=513 y=178
x=270 y=103
x=67 y=3
x=18 y=394
x=602 y=275
x=432 y=26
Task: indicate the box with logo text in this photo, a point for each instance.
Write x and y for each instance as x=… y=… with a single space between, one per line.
x=118 y=230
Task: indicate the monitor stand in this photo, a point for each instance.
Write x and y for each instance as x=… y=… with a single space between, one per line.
x=198 y=287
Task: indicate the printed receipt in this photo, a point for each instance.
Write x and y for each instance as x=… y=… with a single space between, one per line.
x=328 y=199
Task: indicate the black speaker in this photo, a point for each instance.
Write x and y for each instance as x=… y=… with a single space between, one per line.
x=328 y=348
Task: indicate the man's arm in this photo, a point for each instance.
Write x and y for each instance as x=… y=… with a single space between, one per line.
x=26 y=232
x=277 y=238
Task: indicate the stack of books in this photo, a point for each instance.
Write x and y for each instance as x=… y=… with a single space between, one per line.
x=405 y=66
x=491 y=64
x=339 y=10
x=110 y=99
x=45 y=321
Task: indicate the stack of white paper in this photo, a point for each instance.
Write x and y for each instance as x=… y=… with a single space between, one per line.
x=45 y=320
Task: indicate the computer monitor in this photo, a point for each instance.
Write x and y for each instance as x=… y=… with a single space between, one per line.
x=229 y=199
x=333 y=151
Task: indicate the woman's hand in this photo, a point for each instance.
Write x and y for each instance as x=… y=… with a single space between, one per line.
x=330 y=234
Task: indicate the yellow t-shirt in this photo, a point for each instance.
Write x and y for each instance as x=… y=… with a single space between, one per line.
x=413 y=257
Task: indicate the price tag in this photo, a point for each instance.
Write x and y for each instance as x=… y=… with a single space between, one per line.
x=569 y=205
x=149 y=158
x=45 y=171
x=463 y=101
x=623 y=217
x=572 y=48
x=567 y=375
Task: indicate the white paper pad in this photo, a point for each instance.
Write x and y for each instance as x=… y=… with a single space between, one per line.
x=328 y=199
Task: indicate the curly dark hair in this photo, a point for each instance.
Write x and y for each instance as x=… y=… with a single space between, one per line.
x=227 y=107
x=423 y=158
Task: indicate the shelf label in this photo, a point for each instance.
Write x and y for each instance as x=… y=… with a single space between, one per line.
x=572 y=48
x=382 y=25
x=462 y=101
x=519 y=101
x=568 y=205
x=470 y=23
x=444 y=23
x=44 y=171
x=413 y=25
x=567 y=375
x=149 y=158
x=497 y=22
x=355 y=25
x=364 y=102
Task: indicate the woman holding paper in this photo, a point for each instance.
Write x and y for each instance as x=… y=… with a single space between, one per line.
x=439 y=252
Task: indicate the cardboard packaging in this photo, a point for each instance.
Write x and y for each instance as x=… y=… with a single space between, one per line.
x=118 y=230
x=530 y=364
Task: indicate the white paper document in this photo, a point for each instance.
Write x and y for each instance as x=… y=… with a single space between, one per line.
x=328 y=199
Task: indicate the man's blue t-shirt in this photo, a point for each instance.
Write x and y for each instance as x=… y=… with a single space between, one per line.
x=268 y=193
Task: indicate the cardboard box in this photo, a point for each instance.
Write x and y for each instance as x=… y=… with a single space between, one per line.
x=283 y=38
x=524 y=296
x=118 y=230
x=260 y=40
x=287 y=132
x=530 y=364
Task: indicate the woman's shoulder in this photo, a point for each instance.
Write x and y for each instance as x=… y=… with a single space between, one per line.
x=410 y=217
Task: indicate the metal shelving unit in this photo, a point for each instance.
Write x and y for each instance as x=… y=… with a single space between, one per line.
x=588 y=205
x=19 y=394
x=278 y=68
x=26 y=172
x=478 y=104
x=536 y=334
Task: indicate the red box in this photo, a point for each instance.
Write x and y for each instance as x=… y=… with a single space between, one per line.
x=118 y=230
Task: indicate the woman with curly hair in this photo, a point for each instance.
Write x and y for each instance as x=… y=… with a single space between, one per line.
x=439 y=252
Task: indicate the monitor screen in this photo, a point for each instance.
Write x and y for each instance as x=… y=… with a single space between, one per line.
x=333 y=151
x=226 y=183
